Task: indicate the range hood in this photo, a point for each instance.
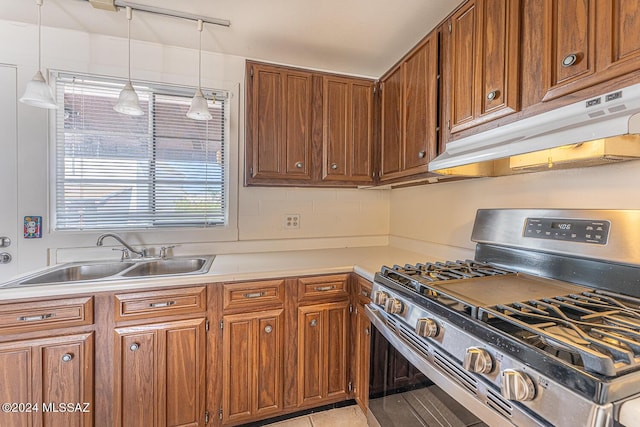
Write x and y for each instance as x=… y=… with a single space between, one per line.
x=599 y=130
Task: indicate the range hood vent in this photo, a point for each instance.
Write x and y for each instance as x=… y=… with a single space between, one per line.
x=600 y=130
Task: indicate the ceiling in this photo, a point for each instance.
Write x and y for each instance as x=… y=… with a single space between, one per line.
x=363 y=37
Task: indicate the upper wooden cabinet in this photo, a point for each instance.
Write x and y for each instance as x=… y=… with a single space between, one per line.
x=278 y=123
x=307 y=128
x=588 y=42
x=482 y=62
x=409 y=112
x=347 y=112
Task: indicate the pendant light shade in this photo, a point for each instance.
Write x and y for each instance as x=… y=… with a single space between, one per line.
x=128 y=102
x=38 y=93
x=199 y=109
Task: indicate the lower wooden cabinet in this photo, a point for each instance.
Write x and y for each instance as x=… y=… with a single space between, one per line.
x=160 y=374
x=252 y=358
x=43 y=374
x=323 y=332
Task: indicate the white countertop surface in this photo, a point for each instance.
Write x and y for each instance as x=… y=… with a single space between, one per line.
x=365 y=261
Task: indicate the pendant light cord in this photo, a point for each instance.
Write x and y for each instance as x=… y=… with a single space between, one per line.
x=200 y=25
x=39 y=3
x=129 y=16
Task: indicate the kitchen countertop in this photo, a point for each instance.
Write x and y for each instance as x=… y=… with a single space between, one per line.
x=365 y=261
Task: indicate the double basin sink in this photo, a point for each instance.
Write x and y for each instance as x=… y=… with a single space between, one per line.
x=128 y=269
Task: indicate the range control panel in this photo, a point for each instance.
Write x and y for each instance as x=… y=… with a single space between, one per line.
x=573 y=230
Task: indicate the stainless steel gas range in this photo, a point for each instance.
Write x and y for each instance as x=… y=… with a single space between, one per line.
x=542 y=328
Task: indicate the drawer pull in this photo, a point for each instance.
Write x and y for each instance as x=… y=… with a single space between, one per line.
x=34 y=318
x=268 y=329
x=162 y=304
x=254 y=295
x=365 y=293
x=422 y=154
x=313 y=323
x=134 y=347
x=325 y=288
x=492 y=95
x=67 y=357
x=299 y=165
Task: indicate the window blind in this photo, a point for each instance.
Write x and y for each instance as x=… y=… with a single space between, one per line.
x=115 y=171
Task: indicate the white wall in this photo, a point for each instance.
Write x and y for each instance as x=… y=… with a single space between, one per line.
x=330 y=217
x=443 y=213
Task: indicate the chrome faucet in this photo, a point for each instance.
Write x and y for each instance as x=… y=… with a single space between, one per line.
x=142 y=253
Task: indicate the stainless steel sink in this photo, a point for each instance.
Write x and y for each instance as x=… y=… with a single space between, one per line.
x=167 y=267
x=80 y=272
x=106 y=271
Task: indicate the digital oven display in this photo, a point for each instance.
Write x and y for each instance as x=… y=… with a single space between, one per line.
x=574 y=230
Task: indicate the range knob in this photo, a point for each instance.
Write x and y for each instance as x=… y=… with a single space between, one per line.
x=477 y=360
x=393 y=306
x=517 y=386
x=379 y=297
x=427 y=328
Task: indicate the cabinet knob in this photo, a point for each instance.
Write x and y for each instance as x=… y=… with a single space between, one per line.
x=5 y=258
x=422 y=154
x=67 y=357
x=367 y=331
x=5 y=242
x=492 y=95
x=268 y=329
x=134 y=347
x=313 y=323
x=569 y=60
x=334 y=166
x=299 y=165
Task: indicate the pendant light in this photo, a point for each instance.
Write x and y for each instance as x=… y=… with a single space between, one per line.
x=199 y=109
x=38 y=93
x=128 y=102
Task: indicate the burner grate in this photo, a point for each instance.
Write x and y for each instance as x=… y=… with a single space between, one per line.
x=590 y=330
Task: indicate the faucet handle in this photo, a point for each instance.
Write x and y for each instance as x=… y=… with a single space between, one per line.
x=125 y=253
x=164 y=249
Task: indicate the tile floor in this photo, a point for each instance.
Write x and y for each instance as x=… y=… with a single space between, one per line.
x=349 y=416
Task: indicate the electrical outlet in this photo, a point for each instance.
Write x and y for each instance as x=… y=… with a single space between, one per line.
x=292 y=221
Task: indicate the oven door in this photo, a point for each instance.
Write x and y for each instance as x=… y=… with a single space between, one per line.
x=406 y=389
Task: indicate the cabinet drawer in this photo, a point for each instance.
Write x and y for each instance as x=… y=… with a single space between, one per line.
x=263 y=293
x=51 y=314
x=322 y=287
x=363 y=290
x=170 y=302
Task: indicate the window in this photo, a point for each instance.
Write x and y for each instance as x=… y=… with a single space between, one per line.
x=114 y=171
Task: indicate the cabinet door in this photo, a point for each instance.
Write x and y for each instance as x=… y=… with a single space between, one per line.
x=279 y=131
x=323 y=353
x=570 y=44
x=16 y=375
x=252 y=358
x=67 y=376
x=160 y=374
x=48 y=371
x=391 y=117
x=347 y=129
x=484 y=62
x=420 y=106
x=463 y=51
x=590 y=41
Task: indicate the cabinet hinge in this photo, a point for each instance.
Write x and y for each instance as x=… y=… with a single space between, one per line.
x=206 y=417
x=222 y=324
x=350 y=386
x=350 y=308
x=449 y=31
x=449 y=124
x=206 y=325
x=375 y=89
x=251 y=71
x=251 y=172
x=220 y=413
